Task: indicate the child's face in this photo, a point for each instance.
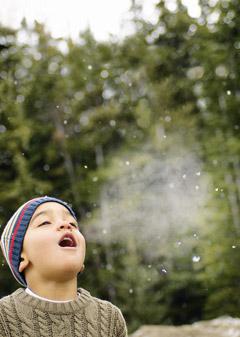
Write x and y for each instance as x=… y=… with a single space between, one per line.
x=43 y=256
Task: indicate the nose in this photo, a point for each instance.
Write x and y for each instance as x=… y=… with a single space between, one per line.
x=64 y=225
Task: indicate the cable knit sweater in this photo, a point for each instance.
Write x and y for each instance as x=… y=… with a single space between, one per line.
x=22 y=315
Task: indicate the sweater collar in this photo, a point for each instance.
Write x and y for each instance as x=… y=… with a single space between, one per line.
x=30 y=292
x=65 y=307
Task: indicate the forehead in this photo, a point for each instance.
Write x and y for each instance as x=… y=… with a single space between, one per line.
x=50 y=208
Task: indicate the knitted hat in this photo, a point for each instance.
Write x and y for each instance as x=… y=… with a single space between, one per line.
x=14 y=232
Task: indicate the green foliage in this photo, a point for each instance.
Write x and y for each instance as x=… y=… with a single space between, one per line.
x=70 y=110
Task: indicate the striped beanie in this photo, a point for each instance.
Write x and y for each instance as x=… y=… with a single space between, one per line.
x=14 y=232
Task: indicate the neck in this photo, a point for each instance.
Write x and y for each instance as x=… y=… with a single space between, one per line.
x=54 y=290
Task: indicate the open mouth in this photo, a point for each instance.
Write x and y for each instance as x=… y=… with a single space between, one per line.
x=67 y=240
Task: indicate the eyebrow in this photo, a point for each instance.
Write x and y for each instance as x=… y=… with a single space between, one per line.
x=47 y=213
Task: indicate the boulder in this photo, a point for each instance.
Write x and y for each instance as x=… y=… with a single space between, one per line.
x=220 y=327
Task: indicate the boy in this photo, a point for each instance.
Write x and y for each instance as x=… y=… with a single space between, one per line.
x=45 y=251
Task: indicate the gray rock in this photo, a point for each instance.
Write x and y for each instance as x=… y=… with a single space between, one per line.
x=220 y=327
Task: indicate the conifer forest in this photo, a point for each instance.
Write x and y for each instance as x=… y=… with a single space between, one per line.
x=141 y=137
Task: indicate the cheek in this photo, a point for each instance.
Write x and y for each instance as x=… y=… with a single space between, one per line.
x=40 y=244
x=37 y=245
x=82 y=239
x=82 y=243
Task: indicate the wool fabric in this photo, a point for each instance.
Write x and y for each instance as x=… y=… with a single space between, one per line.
x=14 y=232
x=22 y=315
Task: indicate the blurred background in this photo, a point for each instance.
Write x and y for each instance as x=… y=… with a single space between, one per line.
x=130 y=112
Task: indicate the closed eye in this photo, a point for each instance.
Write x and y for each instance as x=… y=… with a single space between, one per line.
x=47 y=222
x=74 y=224
x=43 y=223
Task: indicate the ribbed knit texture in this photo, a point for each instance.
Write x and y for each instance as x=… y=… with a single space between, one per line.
x=22 y=315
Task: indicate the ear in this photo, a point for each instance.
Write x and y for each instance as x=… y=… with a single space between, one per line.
x=24 y=263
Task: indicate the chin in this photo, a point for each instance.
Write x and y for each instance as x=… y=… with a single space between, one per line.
x=66 y=275
x=65 y=271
